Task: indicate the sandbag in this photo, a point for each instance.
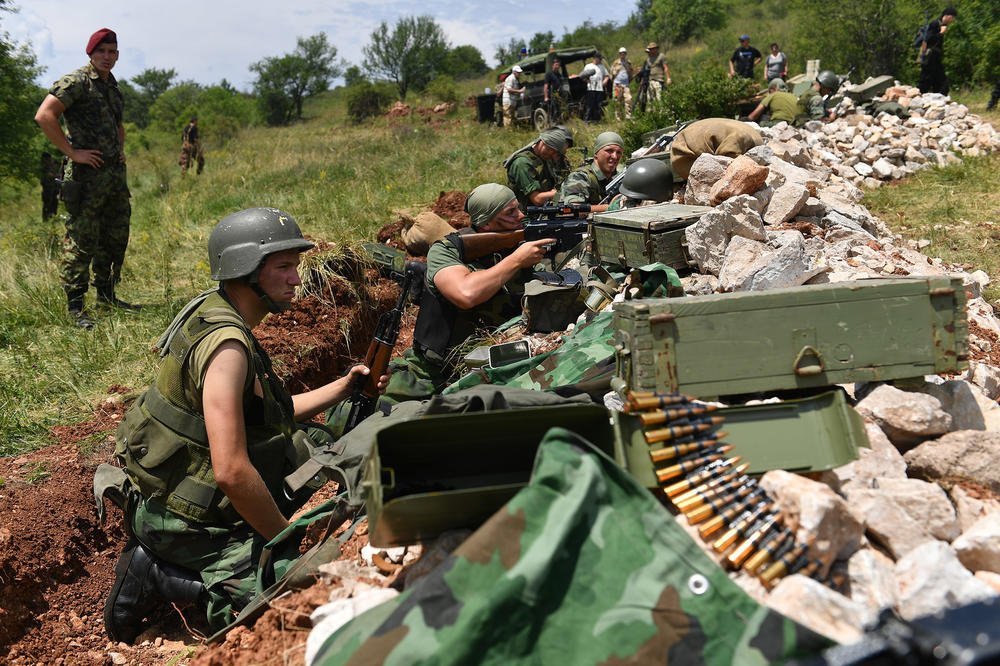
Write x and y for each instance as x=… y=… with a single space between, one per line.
x=717 y=136
x=422 y=231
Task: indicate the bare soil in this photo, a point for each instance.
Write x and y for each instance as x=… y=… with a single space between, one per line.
x=57 y=561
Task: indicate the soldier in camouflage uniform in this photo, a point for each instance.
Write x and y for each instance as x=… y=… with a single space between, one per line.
x=813 y=102
x=191 y=147
x=462 y=295
x=587 y=183
x=95 y=189
x=646 y=182
x=222 y=431
x=532 y=170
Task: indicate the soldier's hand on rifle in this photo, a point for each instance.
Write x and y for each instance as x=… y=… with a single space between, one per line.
x=361 y=370
x=530 y=253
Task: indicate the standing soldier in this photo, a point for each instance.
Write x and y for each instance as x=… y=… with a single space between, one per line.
x=931 y=57
x=621 y=74
x=50 y=175
x=659 y=73
x=95 y=189
x=191 y=147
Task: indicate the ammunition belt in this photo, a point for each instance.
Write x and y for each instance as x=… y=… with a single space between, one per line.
x=734 y=515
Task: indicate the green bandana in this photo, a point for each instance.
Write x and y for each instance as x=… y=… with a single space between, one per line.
x=485 y=201
x=554 y=139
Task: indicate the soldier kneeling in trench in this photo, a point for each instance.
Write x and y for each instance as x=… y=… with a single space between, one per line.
x=207 y=447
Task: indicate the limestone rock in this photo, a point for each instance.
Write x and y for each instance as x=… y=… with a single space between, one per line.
x=978 y=547
x=742 y=176
x=753 y=266
x=705 y=172
x=905 y=417
x=821 y=609
x=986 y=377
x=886 y=522
x=786 y=203
x=872 y=579
x=931 y=578
x=968 y=454
x=970 y=507
x=924 y=502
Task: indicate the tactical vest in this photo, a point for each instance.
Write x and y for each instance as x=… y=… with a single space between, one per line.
x=162 y=442
x=544 y=173
x=441 y=326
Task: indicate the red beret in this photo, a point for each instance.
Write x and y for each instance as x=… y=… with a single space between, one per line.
x=102 y=35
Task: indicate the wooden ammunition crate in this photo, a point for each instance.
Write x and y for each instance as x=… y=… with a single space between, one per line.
x=638 y=236
x=800 y=337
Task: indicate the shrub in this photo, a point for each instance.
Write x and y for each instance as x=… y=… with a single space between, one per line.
x=442 y=89
x=366 y=99
x=709 y=94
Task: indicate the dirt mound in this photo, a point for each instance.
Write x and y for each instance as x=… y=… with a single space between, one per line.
x=450 y=205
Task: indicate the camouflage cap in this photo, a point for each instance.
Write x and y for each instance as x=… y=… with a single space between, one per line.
x=777 y=84
x=605 y=139
x=554 y=139
x=485 y=201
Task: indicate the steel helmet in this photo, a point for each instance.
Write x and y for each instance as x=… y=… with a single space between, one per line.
x=828 y=79
x=648 y=179
x=241 y=241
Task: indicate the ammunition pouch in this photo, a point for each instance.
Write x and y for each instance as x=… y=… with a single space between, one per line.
x=71 y=193
x=549 y=307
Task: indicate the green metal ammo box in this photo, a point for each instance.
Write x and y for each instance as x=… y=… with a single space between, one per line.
x=868 y=90
x=805 y=435
x=799 y=337
x=638 y=236
x=438 y=473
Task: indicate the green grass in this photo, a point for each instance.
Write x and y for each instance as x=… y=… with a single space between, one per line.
x=342 y=183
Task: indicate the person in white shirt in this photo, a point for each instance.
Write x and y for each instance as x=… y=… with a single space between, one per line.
x=512 y=89
x=597 y=77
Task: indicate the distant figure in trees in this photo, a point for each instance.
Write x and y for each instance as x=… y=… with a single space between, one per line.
x=994 y=97
x=50 y=174
x=776 y=63
x=95 y=190
x=931 y=57
x=191 y=147
x=744 y=58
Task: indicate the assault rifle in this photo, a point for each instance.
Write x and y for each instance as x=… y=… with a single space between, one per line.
x=365 y=397
x=562 y=222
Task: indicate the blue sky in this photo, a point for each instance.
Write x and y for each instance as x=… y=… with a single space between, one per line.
x=211 y=40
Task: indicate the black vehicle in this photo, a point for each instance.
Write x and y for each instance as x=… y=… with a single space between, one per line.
x=533 y=108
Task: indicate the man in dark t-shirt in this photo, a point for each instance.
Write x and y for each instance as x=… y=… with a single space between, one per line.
x=931 y=58
x=744 y=58
x=553 y=90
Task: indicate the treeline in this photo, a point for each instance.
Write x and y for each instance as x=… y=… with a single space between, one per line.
x=412 y=55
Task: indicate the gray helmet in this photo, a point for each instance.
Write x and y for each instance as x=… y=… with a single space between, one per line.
x=241 y=241
x=828 y=79
x=648 y=179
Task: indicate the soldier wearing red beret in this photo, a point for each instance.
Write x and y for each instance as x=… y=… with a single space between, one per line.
x=94 y=189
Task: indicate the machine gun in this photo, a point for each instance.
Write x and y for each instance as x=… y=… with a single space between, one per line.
x=567 y=223
x=364 y=398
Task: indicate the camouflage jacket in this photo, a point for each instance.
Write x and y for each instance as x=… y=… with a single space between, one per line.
x=812 y=104
x=93 y=111
x=586 y=184
x=583 y=566
x=527 y=173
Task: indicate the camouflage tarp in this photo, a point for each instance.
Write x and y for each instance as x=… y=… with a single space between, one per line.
x=582 y=566
x=583 y=356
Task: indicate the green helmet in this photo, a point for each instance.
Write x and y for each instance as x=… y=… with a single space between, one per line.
x=241 y=241
x=648 y=179
x=828 y=79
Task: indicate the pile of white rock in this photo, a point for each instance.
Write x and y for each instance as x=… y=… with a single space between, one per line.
x=914 y=523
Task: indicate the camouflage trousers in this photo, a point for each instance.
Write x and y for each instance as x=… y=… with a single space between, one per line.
x=97 y=230
x=191 y=153
x=655 y=89
x=413 y=377
x=509 y=114
x=225 y=558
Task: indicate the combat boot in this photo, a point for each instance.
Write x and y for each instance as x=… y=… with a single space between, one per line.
x=79 y=316
x=141 y=581
x=106 y=296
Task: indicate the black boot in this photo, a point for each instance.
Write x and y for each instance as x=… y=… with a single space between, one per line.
x=76 y=312
x=141 y=581
x=106 y=296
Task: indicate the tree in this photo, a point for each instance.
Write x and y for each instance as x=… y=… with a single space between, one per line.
x=409 y=55
x=464 y=62
x=353 y=76
x=283 y=83
x=541 y=41
x=677 y=21
x=642 y=18
x=511 y=53
x=142 y=91
x=19 y=98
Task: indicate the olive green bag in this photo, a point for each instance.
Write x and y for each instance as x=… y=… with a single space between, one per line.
x=554 y=301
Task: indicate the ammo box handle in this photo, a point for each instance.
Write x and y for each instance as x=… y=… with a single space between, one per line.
x=811 y=369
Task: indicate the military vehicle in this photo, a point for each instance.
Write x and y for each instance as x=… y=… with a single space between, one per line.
x=533 y=107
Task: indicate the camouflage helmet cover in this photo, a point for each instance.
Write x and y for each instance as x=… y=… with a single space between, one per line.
x=828 y=79
x=241 y=241
x=648 y=179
